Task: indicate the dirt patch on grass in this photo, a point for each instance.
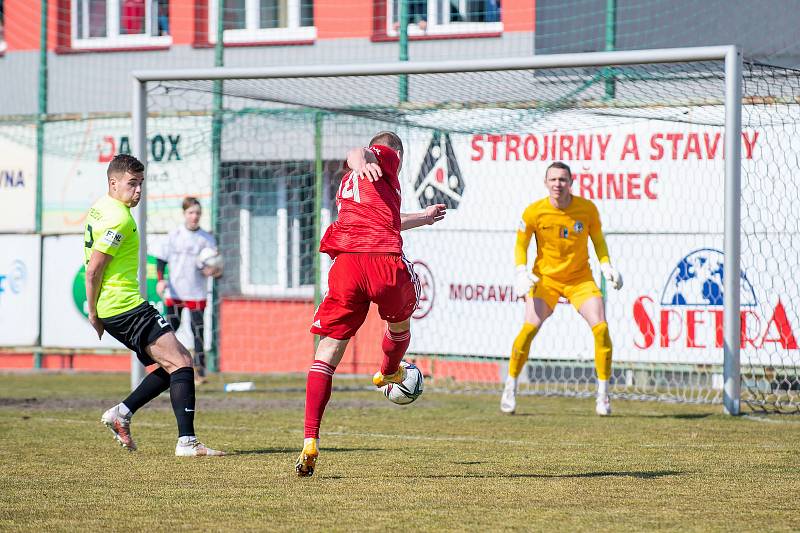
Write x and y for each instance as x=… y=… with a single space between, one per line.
x=242 y=402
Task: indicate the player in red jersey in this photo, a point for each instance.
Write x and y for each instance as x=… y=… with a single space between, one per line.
x=368 y=266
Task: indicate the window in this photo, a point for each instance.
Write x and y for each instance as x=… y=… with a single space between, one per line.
x=247 y=21
x=443 y=17
x=2 y=28
x=120 y=23
x=269 y=209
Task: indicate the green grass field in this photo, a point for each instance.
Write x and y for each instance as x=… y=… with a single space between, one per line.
x=447 y=462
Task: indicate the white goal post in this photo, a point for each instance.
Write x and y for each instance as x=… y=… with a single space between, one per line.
x=730 y=55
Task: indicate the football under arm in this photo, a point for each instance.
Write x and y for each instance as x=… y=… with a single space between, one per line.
x=98 y=262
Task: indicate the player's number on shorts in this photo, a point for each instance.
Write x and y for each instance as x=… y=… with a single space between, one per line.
x=90 y=238
x=162 y=322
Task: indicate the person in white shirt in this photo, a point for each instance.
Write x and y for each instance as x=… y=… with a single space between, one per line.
x=186 y=283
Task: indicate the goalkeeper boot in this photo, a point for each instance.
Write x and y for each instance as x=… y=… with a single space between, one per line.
x=120 y=426
x=508 y=402
x=603 y=405
x=194 y=448
x=380 y=380
x=308 y=458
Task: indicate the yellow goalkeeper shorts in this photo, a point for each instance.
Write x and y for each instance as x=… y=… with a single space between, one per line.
x=576 y=291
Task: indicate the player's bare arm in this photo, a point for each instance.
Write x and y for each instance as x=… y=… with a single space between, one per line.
x=364 y=164
x=430 y=215
x=94 y=280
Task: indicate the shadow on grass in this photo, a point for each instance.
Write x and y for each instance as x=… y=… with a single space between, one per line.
x=652 y=474
x=259 y=451
x=677 y=416
x=649 y=474
x=266 y=451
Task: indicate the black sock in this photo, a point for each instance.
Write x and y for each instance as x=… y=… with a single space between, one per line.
x=151 y=386
x=181 y=392
x=198 y=329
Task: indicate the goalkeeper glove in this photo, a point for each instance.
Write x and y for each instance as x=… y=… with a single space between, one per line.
x=525 y=279
x=613 y=277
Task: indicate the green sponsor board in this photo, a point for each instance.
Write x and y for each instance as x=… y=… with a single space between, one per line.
x=79 y=288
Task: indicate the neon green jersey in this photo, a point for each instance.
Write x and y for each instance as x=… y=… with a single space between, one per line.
x=110 y=229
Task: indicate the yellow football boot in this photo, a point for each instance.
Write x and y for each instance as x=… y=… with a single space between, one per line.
x=380 y=380
x=308 y=458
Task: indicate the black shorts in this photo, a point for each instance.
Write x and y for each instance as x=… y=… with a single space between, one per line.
x=137 y=329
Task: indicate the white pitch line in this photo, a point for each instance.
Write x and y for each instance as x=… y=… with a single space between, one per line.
x=453 y=438
x=767 y=420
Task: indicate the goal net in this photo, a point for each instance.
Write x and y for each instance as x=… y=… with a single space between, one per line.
x=645 y=142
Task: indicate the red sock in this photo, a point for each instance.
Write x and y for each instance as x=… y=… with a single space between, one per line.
x=318 y=392
x=394 y=347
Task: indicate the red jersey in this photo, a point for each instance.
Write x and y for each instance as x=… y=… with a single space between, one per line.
x=369 y=212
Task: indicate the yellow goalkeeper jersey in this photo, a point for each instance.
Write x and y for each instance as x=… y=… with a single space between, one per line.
x=562 y=251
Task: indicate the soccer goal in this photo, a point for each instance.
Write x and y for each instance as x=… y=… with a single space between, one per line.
x=691 y=156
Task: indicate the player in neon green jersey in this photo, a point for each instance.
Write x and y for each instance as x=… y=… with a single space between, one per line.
x=111 y=251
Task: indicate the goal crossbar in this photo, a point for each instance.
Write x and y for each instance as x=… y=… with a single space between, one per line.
x=587 y=59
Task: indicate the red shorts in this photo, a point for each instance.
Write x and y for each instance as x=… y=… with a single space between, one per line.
x=191 y=305
x=357 y=279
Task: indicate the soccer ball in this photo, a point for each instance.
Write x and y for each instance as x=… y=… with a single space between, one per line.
x=407 y=391
x=208 y=257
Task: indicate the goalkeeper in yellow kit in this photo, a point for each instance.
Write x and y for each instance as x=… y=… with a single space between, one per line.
x=562 y=224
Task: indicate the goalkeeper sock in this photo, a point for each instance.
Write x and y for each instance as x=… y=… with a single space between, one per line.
x=318 y=392
x=602 y=351
x=151 y=386
x=602 y=388
x=394 y=347
x=521 y=349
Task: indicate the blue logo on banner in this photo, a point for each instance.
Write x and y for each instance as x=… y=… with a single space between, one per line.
x=697 y=280
x=15 y=279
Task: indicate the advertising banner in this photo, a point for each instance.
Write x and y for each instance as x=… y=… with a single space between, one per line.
x=18 y=178
x=64 y=308
x=19 y=290
x=669 y=310
x=78 y=153
x=658 y=186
